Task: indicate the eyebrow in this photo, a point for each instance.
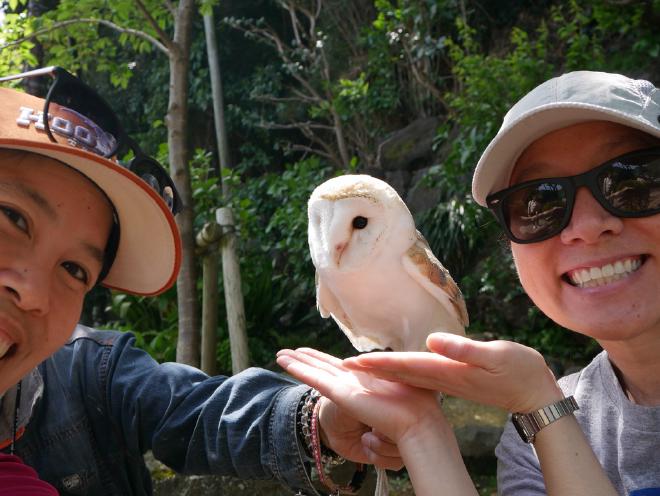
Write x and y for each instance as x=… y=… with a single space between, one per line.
x=44 y=205
x=95 y=252
x=32 y=194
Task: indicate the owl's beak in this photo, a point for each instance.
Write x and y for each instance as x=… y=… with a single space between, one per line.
x=338 y=252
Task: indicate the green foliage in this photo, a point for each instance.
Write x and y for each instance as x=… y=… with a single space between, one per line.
x=83 y=36
x=389 y=62
x=276 y=267
x=153 y=321
x=578 y=36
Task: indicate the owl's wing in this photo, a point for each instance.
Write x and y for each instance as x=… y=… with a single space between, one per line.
x=329 y=305
x=427 y=270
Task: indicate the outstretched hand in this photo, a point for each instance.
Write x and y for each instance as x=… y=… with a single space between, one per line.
x=359 y=402
x=499 y=373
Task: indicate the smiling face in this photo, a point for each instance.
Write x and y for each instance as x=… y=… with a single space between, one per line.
x=601 y=275
x=54 y=226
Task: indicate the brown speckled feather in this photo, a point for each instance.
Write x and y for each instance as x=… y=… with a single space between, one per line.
x=432 y=274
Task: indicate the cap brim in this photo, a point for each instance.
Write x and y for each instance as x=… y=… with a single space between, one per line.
x=149 y=252
x=493 y=171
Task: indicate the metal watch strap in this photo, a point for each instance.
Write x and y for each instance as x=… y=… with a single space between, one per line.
x=529 y=424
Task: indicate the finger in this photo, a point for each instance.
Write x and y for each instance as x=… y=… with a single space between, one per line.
x=414 y=368
x=324 y=357
x=380 y=446
x=487 y=355
x=311 y=376
x=382 y=436
x=423 y=370
x=321 y=361
x=386 y=462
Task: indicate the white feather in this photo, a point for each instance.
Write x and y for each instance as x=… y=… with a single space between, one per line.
x=380 y=282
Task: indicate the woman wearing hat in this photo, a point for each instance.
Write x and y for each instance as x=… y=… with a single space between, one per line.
x=573 y=176
x=82 y=406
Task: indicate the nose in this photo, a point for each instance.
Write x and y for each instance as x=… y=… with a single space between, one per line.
x=27 y=287
x=589 y=221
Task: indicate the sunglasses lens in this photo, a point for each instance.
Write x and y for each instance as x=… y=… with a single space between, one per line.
x=536 y=211
x=632 y=186
x=77 y=116
x=153 y=174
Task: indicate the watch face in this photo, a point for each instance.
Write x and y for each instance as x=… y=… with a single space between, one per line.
x=519 y=424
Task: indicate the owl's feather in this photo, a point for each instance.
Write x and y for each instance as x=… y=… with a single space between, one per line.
x=427 y=270
x=375 y=273
x=380 y=282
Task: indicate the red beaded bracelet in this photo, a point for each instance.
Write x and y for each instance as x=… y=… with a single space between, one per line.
x=352 y=487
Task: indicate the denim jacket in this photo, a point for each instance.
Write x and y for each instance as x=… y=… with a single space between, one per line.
x=105 y=403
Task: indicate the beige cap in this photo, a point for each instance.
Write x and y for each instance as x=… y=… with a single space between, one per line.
x=148 y=256
x=560 y=102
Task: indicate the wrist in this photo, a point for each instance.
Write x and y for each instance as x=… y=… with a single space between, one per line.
x=530 y=424
x=544 y=392
x=322 y=416
x=433 y=424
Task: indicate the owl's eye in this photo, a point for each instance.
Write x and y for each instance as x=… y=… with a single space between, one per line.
x=360 y=222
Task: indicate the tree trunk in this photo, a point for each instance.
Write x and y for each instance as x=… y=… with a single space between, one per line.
x=231 y=276
x=187 y=350
x=230 y=266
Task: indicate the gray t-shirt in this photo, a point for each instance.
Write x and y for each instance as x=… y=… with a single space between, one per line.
x=624 y=436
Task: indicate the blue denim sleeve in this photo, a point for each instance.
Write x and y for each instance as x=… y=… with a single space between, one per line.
x=243 y=425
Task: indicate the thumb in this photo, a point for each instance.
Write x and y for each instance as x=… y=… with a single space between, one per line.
x=465 y=350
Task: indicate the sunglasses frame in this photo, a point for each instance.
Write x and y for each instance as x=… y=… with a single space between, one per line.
x=570 y=184
x=123 y=141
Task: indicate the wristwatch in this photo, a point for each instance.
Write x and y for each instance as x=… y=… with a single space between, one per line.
x=529 y=424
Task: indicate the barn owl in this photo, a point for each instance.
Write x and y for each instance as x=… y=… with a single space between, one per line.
x=375 y=273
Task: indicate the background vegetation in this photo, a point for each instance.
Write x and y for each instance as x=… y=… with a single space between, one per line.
x=312 y=88
x=367 y=69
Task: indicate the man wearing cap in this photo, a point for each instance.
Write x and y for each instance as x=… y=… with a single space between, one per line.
x=72 y=217
x=573 y=177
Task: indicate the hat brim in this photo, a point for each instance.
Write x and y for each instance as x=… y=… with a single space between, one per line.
x=149 y=252
x=493 y=171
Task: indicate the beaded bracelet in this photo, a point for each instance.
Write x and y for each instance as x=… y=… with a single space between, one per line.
x=352 y=487
x=305 y=410
x=324 y=458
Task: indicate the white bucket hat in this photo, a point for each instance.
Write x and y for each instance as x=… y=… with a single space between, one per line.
x=560 y=102
x=148 y=255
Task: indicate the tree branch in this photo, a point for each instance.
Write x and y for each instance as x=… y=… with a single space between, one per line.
x=164 y=38
x=62 y=24
x=296 y=125
x=308 y=149
x=170 y=6
x=283 y=99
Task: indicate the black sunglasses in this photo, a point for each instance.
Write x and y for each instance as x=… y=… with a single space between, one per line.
x=626 y=186
x=76 y=115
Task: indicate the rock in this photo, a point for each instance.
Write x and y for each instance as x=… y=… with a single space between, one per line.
x=198 y=485
x=477 y=427
x=399 y=180
x=420 y=197
x=405 y=148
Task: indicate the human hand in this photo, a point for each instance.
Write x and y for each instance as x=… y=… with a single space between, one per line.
x=499 y=373
x=354 y=402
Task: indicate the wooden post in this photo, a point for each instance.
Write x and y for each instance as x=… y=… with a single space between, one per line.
x=231 y=276
x=231 y=273
x=207 y=243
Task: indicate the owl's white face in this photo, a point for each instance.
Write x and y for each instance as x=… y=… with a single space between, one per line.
x=350 y=223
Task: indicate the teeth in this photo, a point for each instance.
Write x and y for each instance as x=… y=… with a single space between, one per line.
x=4 y=347
x=599 y=276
